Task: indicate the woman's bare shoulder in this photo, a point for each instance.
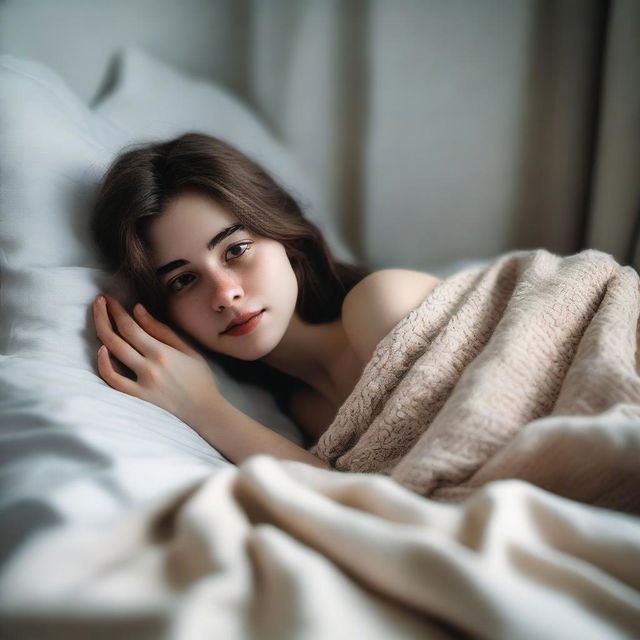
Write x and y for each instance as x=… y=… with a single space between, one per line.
x=378 y=302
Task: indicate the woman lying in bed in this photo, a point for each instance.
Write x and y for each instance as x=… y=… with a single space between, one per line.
x=217 y=250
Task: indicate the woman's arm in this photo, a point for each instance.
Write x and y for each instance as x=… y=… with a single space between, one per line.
x=237 y=436
x=174 y=376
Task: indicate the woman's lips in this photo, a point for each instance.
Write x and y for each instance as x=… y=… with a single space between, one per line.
x=245 y=327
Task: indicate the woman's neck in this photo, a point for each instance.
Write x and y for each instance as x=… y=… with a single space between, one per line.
x=319 y=355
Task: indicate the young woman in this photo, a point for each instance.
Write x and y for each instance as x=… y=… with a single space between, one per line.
x=222 y=258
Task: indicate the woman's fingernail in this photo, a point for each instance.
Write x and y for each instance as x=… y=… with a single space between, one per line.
x=140 y=308
x=100 y=299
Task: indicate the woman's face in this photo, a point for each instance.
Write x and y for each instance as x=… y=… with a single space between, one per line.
x=213 y=271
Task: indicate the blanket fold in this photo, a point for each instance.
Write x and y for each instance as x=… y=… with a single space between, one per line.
x=276 y=550
x=496 y=363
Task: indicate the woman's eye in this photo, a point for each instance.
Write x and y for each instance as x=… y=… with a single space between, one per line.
x=236 y=250
x=180 y=282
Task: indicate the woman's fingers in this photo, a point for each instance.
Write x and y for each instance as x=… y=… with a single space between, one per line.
x=161 y=331
x=117 y=345
x=111 y=376
x=133 y=331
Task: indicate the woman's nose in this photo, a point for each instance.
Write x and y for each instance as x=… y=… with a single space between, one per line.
x=226 y=293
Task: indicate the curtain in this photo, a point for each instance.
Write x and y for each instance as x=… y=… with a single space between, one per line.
x=614 y=205
x=436 y=130
x=442 y=131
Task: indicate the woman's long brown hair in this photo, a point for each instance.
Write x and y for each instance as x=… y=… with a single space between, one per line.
x=141 y=182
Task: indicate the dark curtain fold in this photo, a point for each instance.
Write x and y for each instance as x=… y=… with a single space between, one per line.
x=613 y=215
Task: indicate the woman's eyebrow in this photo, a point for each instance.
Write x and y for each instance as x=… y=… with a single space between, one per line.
x=219 y=237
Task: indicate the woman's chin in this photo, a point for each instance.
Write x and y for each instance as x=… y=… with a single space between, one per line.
x=250 y=352
x=254 y=345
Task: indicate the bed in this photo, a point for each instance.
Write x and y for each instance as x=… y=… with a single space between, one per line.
x=118 y=520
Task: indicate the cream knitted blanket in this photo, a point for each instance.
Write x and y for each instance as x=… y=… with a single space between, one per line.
x=517 y=370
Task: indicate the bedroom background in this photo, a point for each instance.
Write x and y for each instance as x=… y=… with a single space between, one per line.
x=424 y=135
x=434 y=132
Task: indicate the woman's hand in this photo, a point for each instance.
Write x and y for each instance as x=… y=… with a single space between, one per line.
x=172 y=375
x=169 y=373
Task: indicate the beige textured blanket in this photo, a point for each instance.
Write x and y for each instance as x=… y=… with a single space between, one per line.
x=510 y=370
x=276 y=550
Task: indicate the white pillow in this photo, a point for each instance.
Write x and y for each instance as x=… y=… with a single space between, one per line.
x=72 y=447
x=159 y=102
x=53 y=152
